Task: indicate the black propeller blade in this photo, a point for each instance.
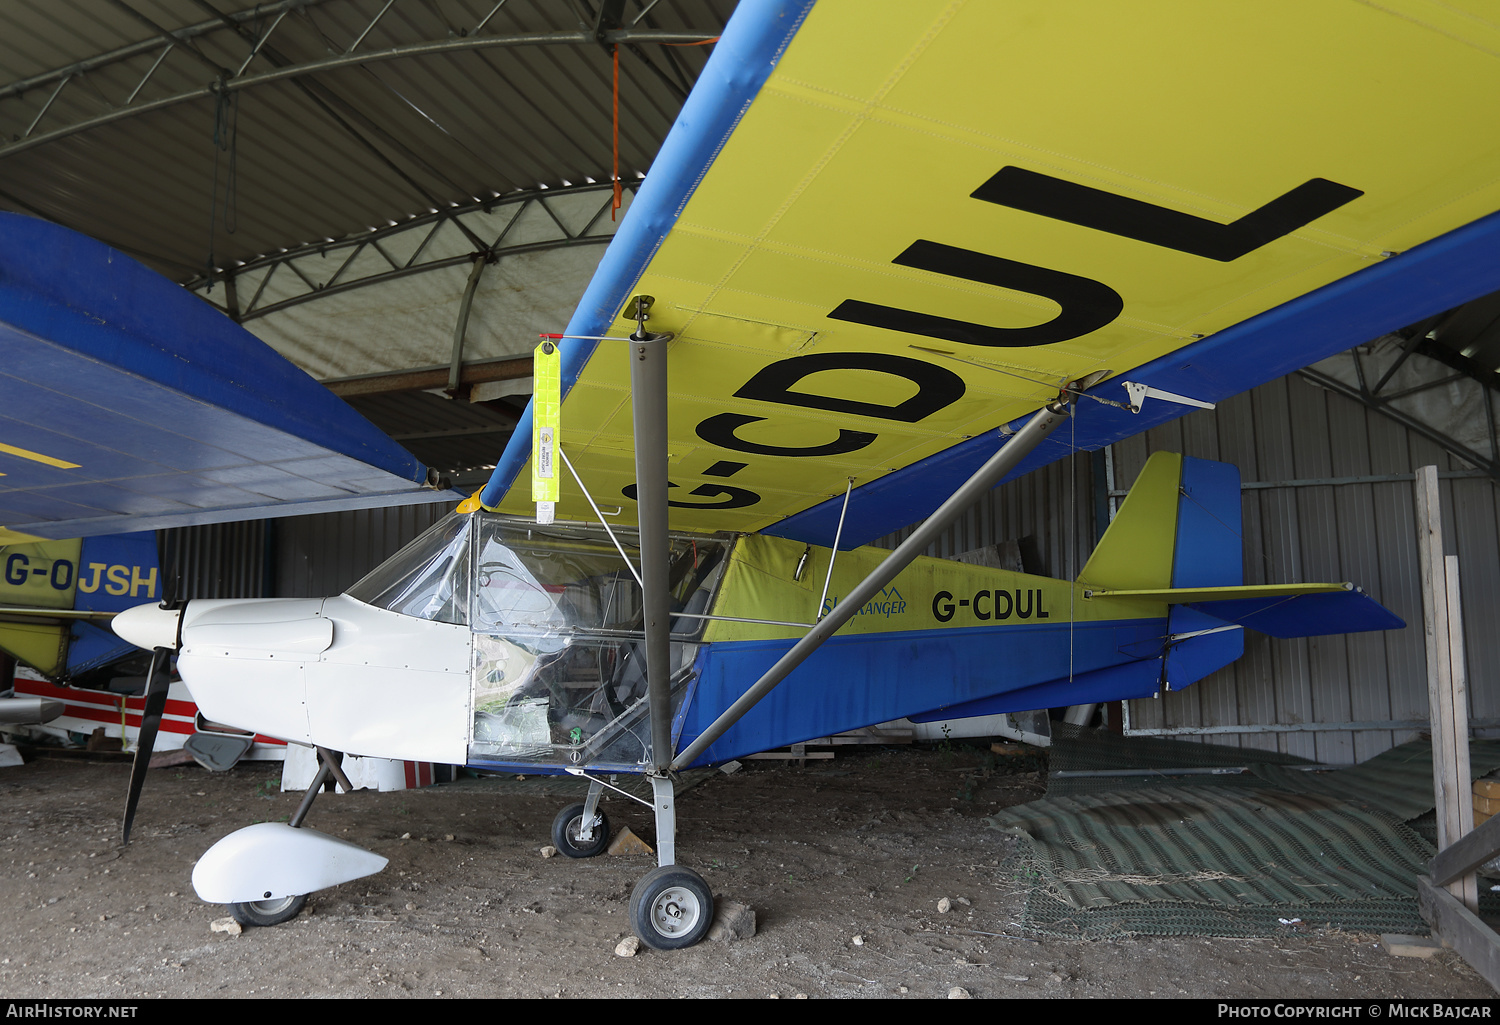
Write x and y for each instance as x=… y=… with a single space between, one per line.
x=157 y=678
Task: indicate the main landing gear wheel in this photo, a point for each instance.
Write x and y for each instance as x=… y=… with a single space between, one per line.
x=567 y=826
x=671 y=908
x=268 y=912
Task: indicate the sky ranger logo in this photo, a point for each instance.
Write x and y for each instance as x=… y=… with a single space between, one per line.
x=888 y=604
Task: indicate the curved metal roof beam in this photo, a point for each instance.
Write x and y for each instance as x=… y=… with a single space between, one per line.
x=1432 y=376
x=351 y=246
x=293 y=71
x=153 y=44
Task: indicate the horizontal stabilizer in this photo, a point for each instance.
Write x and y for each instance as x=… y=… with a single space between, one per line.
x=1237 y=592
x=1306 y=615
x=1281 y=610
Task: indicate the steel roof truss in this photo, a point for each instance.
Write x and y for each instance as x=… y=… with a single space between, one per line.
x=287 y=69
x=520 y=203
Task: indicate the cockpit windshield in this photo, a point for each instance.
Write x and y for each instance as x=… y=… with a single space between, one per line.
x=559 y=659
x=428 y=579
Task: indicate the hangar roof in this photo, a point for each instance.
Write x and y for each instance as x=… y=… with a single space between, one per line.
x=280 y=146
x=196 y=133
x=306 y=149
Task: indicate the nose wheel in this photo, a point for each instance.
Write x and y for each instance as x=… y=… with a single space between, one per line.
x=268 y=912
x=671 y=908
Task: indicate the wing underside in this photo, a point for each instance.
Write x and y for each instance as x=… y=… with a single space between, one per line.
x=879 y=233
x=127 y=403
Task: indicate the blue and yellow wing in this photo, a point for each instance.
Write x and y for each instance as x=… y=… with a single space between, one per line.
x=881 y=231
x=127 y=403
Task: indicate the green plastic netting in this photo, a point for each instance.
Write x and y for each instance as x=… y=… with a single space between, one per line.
x=1272 y=850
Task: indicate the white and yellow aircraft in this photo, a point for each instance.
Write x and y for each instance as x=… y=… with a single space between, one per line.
x=887 y=250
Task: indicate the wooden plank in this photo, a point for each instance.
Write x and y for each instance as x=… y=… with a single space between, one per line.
x=1460 y=928
x=1435 y=634
x=1471 y=851
x=1457 y=739
x=1451 y=790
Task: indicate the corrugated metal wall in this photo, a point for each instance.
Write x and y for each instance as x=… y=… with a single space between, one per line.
x=292 y=557
x=1053 y=506
x=315 y=556
x=221 y=560
x=1327 y=496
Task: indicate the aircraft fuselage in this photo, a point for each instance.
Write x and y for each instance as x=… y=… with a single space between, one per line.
x=494 y=642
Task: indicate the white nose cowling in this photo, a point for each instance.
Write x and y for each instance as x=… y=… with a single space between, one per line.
x=148 y=626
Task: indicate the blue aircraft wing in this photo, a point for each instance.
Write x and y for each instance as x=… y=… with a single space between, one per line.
x=128 y=404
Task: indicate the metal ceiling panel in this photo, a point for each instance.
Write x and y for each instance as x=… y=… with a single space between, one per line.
x=317 y=119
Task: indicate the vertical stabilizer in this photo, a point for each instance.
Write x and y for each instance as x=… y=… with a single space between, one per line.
x=1137 y=551
x=1180 y=526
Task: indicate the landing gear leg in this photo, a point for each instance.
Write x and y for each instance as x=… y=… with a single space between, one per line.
x=662 y=795
x=274 y=911
x=671 y=907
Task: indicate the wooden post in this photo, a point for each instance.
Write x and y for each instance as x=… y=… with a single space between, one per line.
x=1449 y=795
x=1457 y=740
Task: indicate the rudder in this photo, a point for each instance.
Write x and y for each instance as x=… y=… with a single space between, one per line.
x=1180 y=526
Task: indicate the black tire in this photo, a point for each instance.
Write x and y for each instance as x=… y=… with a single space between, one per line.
x=671 y=908
x=565 y=833
x=268 y=912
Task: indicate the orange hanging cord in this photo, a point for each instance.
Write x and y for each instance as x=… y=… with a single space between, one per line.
x=615 y=205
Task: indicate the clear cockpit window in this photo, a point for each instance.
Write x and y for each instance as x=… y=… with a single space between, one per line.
x=559 y=655
x=530 y=582
x=429 y=578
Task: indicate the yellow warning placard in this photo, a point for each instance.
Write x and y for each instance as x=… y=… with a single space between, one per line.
x=546 y=406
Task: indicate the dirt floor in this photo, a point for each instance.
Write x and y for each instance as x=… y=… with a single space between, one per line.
x=844 y=863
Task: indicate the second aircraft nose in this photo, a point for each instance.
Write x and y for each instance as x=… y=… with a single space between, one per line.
x=148 y=626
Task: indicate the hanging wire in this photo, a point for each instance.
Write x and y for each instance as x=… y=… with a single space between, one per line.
x=1064 y=386
x=615 y=203
x=225 y=140
x=1072 y=535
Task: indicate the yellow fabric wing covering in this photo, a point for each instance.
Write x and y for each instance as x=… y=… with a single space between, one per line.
x=934 y=213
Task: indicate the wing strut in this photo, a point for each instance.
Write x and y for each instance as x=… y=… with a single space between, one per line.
x=660 y=893
x=648 y=400
x=987 y=476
